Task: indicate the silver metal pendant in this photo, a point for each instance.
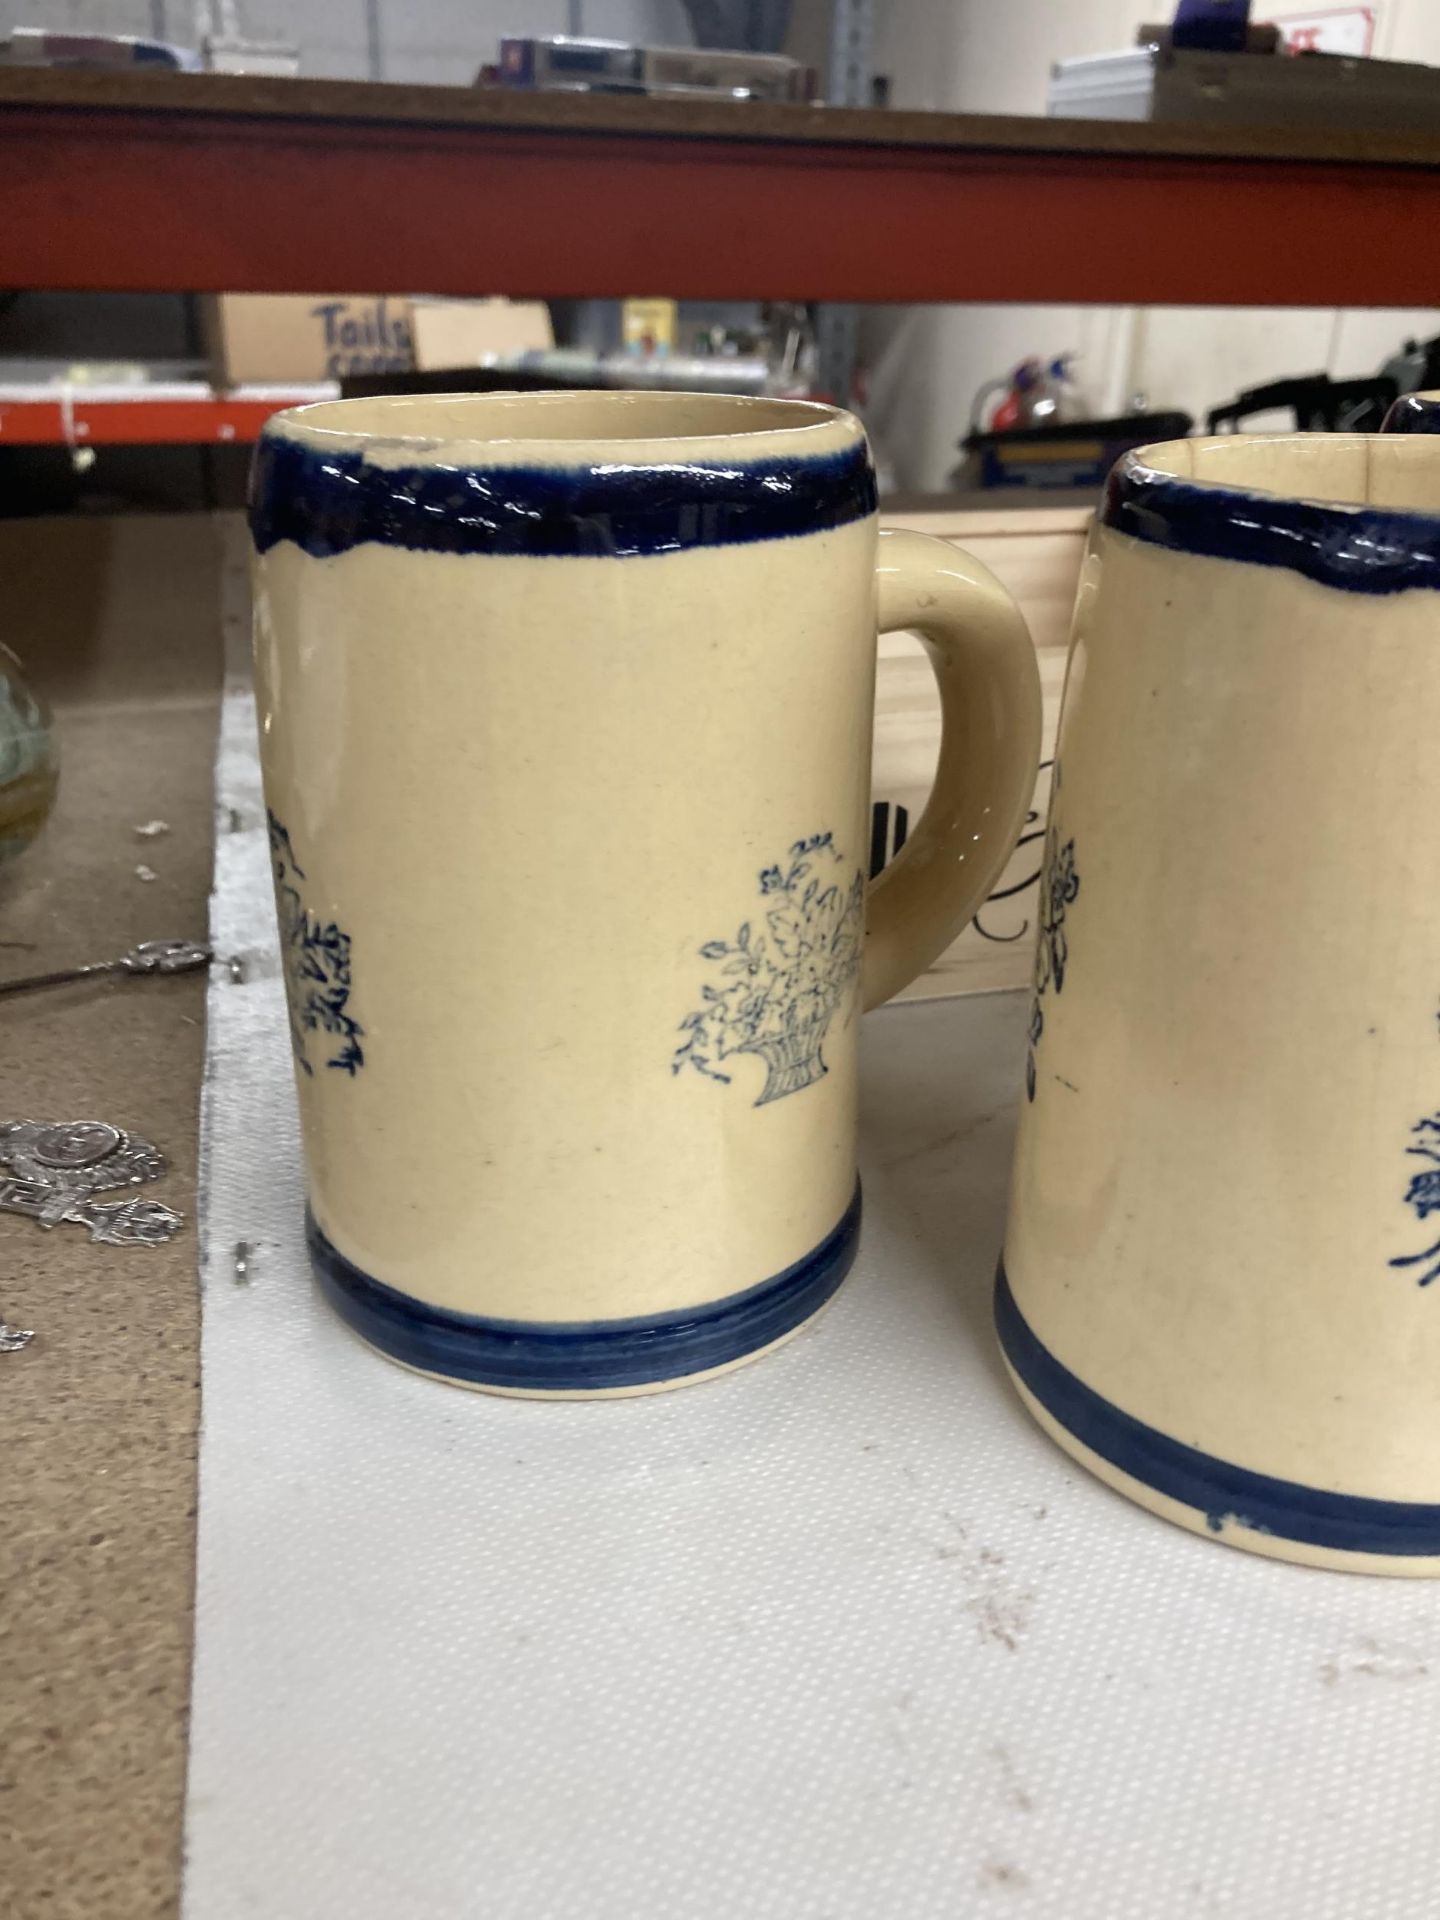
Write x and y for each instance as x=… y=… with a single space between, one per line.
x=50 y=1171
x=151 y=956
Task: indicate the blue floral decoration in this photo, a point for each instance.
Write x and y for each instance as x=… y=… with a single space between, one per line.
x=315 y=955
x=1059 y=888
x=781 y=982
x=1423 y=1194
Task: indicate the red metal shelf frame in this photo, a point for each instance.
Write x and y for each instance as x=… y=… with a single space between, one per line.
x=195 y=182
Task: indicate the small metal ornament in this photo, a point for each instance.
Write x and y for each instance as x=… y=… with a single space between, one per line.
x=55 y=1167
x=151 y=956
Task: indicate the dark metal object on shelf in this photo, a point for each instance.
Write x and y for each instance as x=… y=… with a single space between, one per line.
x=1076 y=453
x=1416 y=367
x=365 y=386
x=715 y=373
x=560 y=63
x=113 y=52
x=1318 y=403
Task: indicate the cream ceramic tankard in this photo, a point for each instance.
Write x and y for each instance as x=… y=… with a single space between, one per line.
x=565 y=706
x=1221 y=1280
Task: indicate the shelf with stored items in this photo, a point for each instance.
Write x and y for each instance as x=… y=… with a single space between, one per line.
x=194 y=182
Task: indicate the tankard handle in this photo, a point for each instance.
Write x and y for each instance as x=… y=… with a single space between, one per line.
x=984 y=662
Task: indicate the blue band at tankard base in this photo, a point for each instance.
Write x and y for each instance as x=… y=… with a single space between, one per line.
x=326 y=503
x=1358 y=549
x=1227 y=1495
x=585 y=1356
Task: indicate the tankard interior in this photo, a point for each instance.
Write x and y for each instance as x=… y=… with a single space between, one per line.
x=471 y=426
x=1393 y=471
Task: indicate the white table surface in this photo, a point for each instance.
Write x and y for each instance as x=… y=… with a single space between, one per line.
x=841 y=1635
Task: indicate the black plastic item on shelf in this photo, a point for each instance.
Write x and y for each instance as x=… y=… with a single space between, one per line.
x=1076 y=453
x=1319 y=404
x=365 y=386
x=1416 y=367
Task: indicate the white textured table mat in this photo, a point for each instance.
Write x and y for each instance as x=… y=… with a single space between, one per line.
x=839 y=1636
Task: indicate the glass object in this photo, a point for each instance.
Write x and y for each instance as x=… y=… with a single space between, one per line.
x=29 y=769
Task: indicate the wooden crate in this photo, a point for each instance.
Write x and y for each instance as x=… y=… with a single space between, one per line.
x=1036 y=552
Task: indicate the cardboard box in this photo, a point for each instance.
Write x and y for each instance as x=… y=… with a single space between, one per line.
x=476 y=333
x=260 y=339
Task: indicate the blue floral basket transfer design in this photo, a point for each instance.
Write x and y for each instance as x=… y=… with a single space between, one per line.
x=781 y=983
x=1059 y=889
x=315 y=955
x=1423 y=1194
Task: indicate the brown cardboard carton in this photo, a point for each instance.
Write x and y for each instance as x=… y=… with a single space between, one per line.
x=475 y=333
x=259 y=339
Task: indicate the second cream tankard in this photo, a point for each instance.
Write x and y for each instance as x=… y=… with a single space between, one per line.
x=1221 y=1280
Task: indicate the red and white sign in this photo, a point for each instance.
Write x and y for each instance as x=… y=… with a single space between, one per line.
x=1349 y=30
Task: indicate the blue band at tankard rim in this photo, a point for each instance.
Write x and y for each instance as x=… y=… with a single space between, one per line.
x=1227 y=1495
x=329 y=502
x=585 y=1356
x=1358 y=549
